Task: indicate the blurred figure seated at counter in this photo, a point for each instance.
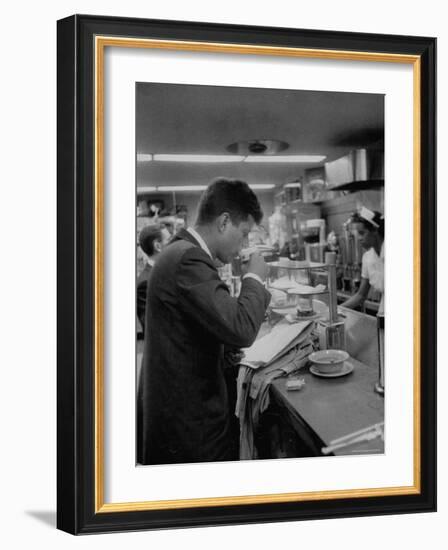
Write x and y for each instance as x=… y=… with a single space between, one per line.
x=285 y=251
x=290 y=250
x=370 y=227
x=152 y=240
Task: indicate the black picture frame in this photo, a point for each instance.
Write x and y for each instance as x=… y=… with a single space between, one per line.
x=79 y=504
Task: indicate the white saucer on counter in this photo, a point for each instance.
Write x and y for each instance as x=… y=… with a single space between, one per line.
x=347 y=368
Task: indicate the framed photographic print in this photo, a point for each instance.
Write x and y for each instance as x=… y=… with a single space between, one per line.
x=233 y=344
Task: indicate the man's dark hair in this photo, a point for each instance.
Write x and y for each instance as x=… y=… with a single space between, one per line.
x=232 y=196
x=148 y=236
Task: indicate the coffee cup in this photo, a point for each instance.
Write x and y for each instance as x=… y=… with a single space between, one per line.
x=328 y=361
x=246 y=253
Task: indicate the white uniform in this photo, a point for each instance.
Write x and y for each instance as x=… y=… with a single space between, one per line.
x=373 y=270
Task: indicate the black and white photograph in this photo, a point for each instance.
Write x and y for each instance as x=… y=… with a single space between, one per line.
x=260 y=318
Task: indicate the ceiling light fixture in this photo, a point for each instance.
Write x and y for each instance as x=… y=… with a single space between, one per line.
x=181 y=188
x=285 y=158
x=144 y=157
x=187 y=188
x=197 y=158
x=260 y=147
x=261 y=186
x=142 y=190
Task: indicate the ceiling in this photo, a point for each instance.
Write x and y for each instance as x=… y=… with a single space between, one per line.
x=173 y=118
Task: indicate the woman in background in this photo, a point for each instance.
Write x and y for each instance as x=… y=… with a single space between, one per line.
x=370 y=226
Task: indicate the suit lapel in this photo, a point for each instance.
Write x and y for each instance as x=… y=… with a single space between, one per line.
x=184 y=235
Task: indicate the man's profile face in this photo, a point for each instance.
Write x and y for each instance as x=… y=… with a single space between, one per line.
x=234 y=238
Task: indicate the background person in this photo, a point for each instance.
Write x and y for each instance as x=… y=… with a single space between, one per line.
x=370 y=227
x=152 y=239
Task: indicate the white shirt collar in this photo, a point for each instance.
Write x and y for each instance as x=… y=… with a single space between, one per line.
x=150 y=261
x=200 y=240
x=374 y=252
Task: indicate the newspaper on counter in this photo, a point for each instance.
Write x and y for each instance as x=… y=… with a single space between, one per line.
x=281 y=352
x=276 y=343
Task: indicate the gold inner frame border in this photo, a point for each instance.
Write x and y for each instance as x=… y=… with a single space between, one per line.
x=100 y=43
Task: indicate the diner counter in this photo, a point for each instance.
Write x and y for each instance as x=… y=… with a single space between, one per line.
x=326 y=409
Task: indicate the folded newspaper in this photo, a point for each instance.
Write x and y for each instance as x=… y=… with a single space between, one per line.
x=279 y=341
x=279 y=353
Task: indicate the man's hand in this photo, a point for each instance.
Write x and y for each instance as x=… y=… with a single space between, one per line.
x=233 y=357
x=256 y=265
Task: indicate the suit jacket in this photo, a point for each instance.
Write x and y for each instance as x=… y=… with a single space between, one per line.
x=142 y=287
x=183 y=395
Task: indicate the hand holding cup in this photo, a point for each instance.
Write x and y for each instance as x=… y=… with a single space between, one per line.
x=256 y=265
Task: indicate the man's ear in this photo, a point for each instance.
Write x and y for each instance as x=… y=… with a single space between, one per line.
x=158 y=246
x=223 y=221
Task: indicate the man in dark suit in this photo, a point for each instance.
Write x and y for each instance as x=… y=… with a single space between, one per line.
x=184 y=399
x=152 y=239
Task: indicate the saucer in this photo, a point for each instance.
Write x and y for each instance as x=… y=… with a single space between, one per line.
x=346 y=369
x=291 y=318
x=290 y=313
